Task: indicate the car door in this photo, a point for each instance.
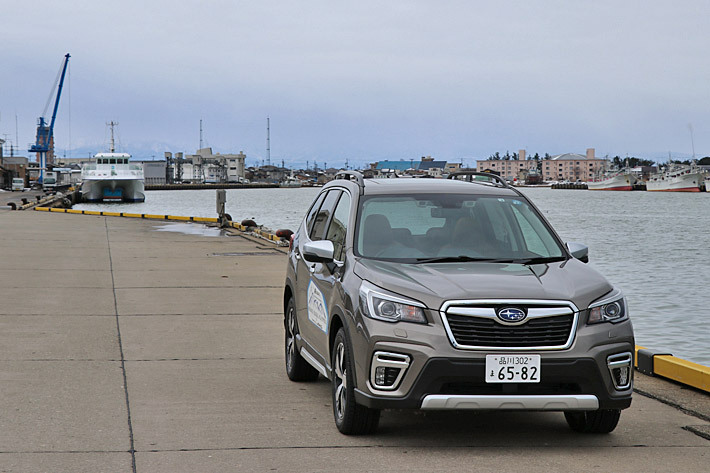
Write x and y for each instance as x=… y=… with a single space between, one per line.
x=325 y=293
x=311 y=305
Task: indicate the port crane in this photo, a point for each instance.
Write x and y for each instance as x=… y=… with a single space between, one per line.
x=45 y=133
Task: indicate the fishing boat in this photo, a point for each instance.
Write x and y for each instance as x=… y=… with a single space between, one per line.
x=676 y=178
x=291 y=182
x=707 y=183
x=112 y=178
x=620 y=180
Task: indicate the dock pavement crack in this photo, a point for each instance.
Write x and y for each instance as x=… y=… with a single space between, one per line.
x=120 y=348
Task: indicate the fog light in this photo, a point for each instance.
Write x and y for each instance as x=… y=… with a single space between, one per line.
x=380 y=376
x=622 y=376
x=620 y=370
x=386 y=376
x=387 y=370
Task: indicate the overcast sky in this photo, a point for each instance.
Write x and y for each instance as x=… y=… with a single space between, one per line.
x=365 y=80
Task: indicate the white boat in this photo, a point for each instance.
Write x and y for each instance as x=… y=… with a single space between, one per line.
x=291 y=181
x=613 y=181
x=676 y=178
x=112 y=178
x=707 y=183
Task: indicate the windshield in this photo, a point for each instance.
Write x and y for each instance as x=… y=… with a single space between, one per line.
x=453 y=227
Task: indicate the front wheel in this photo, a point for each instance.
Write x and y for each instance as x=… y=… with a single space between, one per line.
x=297 y=368
x=350 y=418
x=601 y=421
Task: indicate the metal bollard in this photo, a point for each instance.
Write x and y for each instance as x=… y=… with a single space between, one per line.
x=221 y=202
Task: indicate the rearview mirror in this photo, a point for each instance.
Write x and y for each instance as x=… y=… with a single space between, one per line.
x=320 y=251
x=579 y=251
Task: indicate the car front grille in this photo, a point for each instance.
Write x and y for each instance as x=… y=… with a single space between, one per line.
x=477 y=326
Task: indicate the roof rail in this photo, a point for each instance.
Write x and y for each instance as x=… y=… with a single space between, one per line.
x=347 y=175
x=471 y=174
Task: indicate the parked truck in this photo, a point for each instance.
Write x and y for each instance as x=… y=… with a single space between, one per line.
x=18 y=184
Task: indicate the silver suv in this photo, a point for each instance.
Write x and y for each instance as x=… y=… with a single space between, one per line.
x=451 y=294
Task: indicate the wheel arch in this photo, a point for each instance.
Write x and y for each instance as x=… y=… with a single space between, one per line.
x=288 y=294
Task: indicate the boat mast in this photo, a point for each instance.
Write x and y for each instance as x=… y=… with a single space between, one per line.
x=692 y=141
x=113 y=143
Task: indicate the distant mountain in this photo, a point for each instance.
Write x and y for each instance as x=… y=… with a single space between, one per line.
x=139 y=151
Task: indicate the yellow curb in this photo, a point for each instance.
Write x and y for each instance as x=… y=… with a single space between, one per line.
x=238 y=226
x=679 y=370
x=682 y=371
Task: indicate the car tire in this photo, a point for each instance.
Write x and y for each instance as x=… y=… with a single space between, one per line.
x=601 y=421
x=297 y=368
x=351 y=418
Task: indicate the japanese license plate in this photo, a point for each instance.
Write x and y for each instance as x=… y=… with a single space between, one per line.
x=512 y=368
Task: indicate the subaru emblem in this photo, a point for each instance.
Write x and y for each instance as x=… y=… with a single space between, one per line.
x=511 y=315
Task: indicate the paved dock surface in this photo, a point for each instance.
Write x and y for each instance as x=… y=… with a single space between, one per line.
x=31 y=195
x=124 y=348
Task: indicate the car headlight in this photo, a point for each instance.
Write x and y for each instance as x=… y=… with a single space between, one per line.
x=380 y=304
x=611 y=308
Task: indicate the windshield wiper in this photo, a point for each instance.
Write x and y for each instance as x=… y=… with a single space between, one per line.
x=466 y=259
x=459 y=259
x=539 y=260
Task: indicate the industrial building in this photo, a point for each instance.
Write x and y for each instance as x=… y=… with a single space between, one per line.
x=11 y=166
x=205 y=167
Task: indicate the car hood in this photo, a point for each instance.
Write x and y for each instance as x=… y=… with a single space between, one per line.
x=434 y=283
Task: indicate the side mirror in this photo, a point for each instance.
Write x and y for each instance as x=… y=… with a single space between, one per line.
x=320 y=251
x=579 y=251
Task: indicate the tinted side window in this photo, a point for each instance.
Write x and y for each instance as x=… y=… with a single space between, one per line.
x=312 y=212
x=323 y=215
x=338 y=228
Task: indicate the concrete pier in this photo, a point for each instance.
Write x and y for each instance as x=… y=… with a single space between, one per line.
x=124 y=348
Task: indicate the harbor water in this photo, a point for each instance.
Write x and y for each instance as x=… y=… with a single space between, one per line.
x=654 y=246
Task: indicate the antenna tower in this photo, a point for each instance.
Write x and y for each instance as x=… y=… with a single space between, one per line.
x=113 y=143
x=200 y=134
x=268 y=143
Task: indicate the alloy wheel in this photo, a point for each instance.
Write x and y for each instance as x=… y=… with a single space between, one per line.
x=341 y=381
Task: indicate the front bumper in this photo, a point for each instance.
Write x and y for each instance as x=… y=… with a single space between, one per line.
x=455 y=383
x=580 y=402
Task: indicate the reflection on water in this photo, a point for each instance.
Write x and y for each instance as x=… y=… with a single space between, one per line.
x=652 y=245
